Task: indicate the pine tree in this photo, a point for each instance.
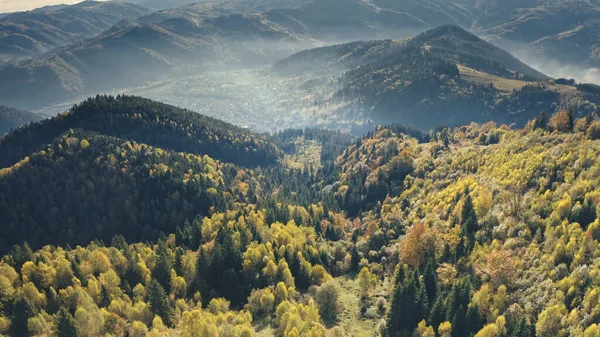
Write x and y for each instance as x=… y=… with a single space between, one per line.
x=159 y=302
x=468 y=217
x=431 y=282
x=437 y=314
x=18 y=323
x=459 y=323
x=164 y=264
x=202 y=270
x=354 y=259
x=65 y=325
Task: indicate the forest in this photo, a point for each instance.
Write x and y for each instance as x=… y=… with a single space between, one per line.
x=126 y=217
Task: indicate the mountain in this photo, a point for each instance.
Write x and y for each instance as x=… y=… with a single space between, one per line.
x=550 y=30
x=132 y=54
x=32 y=33
x=140 y=148
x=199 y=37
x=443 y=76
x=144 y=121
x=143 y=240
x=13 y=118
x=213 y=8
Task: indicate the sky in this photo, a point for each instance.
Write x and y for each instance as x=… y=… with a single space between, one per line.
x=25 y=5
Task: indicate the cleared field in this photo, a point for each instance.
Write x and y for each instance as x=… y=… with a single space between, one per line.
x=500 y=83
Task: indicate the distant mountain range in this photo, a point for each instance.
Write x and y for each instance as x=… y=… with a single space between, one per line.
x=130 y=54
x=564 y=30
x=443 y=76
x=215 y=35
x=31 y=33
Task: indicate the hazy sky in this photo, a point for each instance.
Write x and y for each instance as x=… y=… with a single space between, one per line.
x=24 y=5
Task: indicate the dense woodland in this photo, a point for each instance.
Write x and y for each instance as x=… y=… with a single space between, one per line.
x=477 y=230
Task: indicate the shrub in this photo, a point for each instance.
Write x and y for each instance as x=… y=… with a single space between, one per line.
x=594 y=130
x=327 y=298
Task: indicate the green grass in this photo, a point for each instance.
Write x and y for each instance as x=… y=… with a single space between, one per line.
x=308 y=153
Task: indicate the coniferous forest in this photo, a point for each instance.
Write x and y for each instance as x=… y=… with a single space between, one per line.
x=128 y=217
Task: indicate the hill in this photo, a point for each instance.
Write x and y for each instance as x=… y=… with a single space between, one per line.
x=35 y=32
x=132 y=54
x=559 y=31
x=12 y=118
x=142 y=148
x=207 y=35
x=443 y=76
x=148 y=122
x=499 y=221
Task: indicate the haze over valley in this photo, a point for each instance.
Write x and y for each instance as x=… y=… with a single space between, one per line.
x=300 y=168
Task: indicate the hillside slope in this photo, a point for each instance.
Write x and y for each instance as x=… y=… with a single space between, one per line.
x=144 y=121
x=131 y=54
x=12 y=118
x=149 y=166
x=396 y=235
x=34 y=32
x=443 y=76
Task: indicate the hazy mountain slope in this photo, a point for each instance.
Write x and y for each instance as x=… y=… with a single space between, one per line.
x=564 y=31
x=30 y=33
x=443 y=76
x=432 y=12
x=12 y=118
x=148 y=122
x=208 y=9
x=132 y=54
x=345 y=20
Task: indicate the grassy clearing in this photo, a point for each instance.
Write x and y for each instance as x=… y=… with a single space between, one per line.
x=350 y=320
x=503 y=84
x=308 y=153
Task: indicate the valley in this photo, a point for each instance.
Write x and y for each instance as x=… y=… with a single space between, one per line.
x=300 y=168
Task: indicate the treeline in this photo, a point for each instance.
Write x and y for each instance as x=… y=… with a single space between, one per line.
x=149 y=122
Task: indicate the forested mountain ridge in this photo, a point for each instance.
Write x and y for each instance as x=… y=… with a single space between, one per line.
x=123 y=165
x=446 y=75
x=148 y=122
x=478 y=230
x=32 y=33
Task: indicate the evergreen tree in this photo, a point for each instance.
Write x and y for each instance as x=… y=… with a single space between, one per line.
x=18 y=323
x=431 y=282
x=459 y=323
x=437 y=314
x=541 y=122
x=468 y=217
x=65 y=325
x=159 y=302
x=202 y=270
x=164 y=264
x=354 y=259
